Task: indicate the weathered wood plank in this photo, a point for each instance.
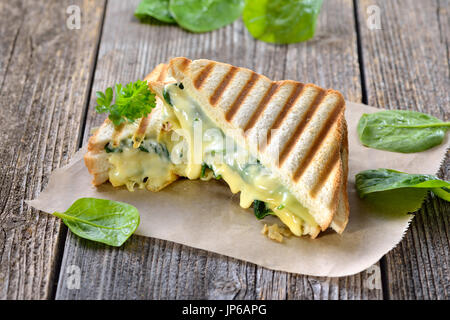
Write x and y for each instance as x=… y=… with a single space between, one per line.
x=45 y=70
x=406 y=66
x=155 y=269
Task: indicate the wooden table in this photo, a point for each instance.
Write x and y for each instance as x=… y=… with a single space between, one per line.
x=49 y=73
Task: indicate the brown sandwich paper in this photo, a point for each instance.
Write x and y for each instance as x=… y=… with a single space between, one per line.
x=207 y=215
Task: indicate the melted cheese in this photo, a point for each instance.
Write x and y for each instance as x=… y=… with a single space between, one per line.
x=134 y=167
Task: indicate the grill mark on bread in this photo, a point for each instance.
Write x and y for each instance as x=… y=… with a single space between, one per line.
x=143 y=124
x=116 y=134
x=223 y=85
x=261 y=106
x=304 y=164
x=184 y=64
x=295 y=93
x=241 y=96
x=309 y=114
x=140 y=132
x=201 y=77
x=326 y=171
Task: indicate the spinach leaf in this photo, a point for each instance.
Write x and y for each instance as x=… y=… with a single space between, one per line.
x=203 y=171
x=100 y=220
x=386 y=179
x=260 y=209
x=153 y=146
x=110 y=149
x=205 y=15
x=133 y=101
x=395 y=191
x=443 y=193
x=401 y=131
x=281 y=21
x=166 y=96
x=158 y=9
x=125 y=143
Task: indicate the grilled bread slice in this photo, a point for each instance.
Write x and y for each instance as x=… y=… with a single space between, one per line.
x=297 y=130
x=96 y=159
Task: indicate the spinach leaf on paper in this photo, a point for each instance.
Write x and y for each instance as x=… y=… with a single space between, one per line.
x=386 y=179
x=397 y=191
x=401 y=131
x=105 y=221
x=158 y=9
x=281 y=21
x=205 y=15
x=443 y=193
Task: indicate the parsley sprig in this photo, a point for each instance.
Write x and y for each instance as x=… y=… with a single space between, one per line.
x=133 y=101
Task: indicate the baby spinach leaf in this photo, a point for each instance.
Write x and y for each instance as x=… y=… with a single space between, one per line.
x=281 y=21
x=401 y=131
x=396 y=202
x=443 y=193
x=205 y=15
x=395 y=191
x=158 y=9
x=369 y=181
x=100 y=220
x=203 y=171
x=166 y=96
x=153 y=146
x=260 y=209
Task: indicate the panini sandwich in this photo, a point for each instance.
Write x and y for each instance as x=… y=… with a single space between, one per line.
x=288 y=154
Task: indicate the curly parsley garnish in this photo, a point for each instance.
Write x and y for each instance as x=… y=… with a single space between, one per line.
x=133 y=101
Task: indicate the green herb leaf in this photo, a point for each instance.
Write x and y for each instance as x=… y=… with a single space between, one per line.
x=401 y=131
x=260 y=209
x=395 y=191
x=166 y=96
x=207 y=167
x=152 y=146
x=281 y=21
x=443 y=193
x=203 y=171
x=397 y=202
x=158 y=9
x=205 y=15
x=110 y=149
x=386 y=179
x=105 y=221
x=133 y=101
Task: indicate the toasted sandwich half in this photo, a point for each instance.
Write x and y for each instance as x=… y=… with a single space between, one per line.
x=282 y=144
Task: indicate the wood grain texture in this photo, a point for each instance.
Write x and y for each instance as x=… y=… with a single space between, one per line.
x=406 y=66
x=45 y=70
x=147 y=268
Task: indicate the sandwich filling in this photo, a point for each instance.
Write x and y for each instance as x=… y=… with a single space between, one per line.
x=174 y=149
